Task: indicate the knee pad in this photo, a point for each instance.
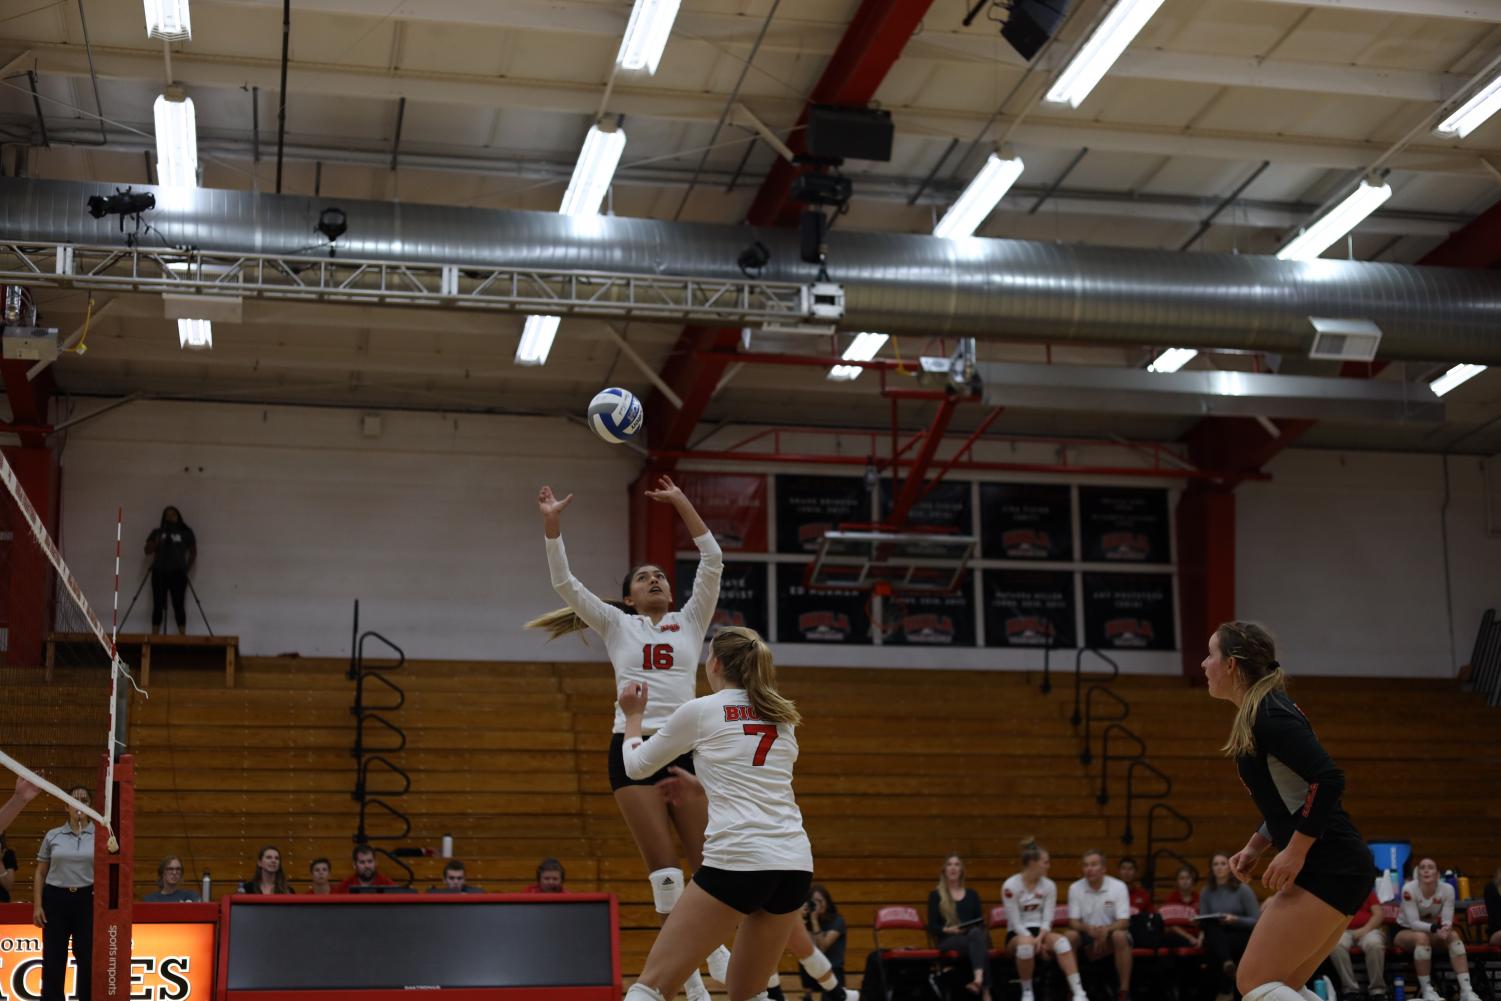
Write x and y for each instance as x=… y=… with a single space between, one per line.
x=1373 y=942
x=1025 y=951
x=1456 y=948
x=1422 y=953
x=1272 y=990
x=817 y=965
x=666 y=888
x=1062 y=947
x=641 y=992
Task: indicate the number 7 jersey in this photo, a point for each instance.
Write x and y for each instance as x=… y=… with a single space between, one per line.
x=745 y=766
x=665 y=655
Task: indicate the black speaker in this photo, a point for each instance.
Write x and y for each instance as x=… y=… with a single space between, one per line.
x=1031 y=23
x=838 y=133
x=811 y=227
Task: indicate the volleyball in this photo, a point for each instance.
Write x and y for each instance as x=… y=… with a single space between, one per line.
x=616 y=415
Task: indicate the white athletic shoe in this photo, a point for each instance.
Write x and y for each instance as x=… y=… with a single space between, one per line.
x=850 y=994
x=719 y=964
x=1469 y=996
x=1081 y=996
x=1429 y=994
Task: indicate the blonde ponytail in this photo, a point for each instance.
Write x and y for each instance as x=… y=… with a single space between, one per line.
x=565 y=620
x=1255 y=655
x=747 y=662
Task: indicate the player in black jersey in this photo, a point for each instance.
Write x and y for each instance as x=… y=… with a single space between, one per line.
x=1322 y=871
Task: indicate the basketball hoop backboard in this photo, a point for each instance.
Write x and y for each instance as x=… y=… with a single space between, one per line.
x=890 y=561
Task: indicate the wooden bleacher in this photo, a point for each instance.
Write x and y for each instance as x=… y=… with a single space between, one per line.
x=897 y=769
x=136 y=649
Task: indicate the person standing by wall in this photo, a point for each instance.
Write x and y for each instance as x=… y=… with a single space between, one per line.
x=174 y=549
x=63 y=891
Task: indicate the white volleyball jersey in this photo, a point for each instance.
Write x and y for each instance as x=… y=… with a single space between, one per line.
x=745 y=767
x=1419 y=912
x=1029 y=908
x=665 y=655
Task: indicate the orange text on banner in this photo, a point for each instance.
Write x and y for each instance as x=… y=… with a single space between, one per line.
x=169 y=962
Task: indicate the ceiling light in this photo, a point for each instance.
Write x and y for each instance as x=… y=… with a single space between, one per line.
x=176 y=142
x=168 y=19
x=195 y=334
x=536 y=339
x=1456 y=376
x=1172 y=359
x=864 y=347
x=1100 y=51
x=1484 y=103
x=1327 y=230
x=980 y=198
x=646 y=34
x=593 y=172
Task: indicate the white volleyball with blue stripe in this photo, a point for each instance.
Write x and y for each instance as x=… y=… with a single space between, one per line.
x=616 y=415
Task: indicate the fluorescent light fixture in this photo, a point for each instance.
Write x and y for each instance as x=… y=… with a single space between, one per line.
x=1172 y=359
x=536 y=339
x=1329 y=228
x=176 y=142
x=594 y=172
x=168 y=19
x=1100 y=51
x=646 y=34
x=1484 y=103
x=980 y=198
x=195 y=334
x=1456 y=376
x=864 y=347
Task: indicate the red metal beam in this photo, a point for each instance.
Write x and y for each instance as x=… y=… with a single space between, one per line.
x=912 y=485
x=958 y=455
x=808 y=459
x=28 y=401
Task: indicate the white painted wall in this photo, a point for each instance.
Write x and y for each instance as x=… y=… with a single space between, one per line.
x=1342 y=555
x=433 y=526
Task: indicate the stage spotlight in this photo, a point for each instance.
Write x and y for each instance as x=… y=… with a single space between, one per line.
x=121 y=203
x=754 y=258
x=333 y=223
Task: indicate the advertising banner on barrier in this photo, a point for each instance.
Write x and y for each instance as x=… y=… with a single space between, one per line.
x=169 y=962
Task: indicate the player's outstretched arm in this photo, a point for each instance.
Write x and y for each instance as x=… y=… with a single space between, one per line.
x=668 y=492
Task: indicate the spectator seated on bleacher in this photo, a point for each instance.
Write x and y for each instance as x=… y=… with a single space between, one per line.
x=1140 y=896
x=1177 y=934
x=455 y=880
x=169 y=888
x=550 y=877
x=956 y=922
x=1365 y=935
x=828 y=930
x=366 y=876
x=1099 y=913
x=1031 y=900
x=1228 y=911
x=320 y=871
x=1427 y=919
x=1183 y=938
x=269 y=876
x=1493 y=909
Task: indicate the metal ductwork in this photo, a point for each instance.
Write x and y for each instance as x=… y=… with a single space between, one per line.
x=905 y=284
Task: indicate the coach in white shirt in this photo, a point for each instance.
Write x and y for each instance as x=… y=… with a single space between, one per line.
x=1099 y=911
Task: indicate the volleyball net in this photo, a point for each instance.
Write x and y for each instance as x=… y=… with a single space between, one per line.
x=63 y=687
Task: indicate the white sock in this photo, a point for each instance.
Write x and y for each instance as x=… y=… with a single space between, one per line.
x=1027 y=988
x=694 y=987
x=1075 y=984
x=1464 y=982
x=1424 y=982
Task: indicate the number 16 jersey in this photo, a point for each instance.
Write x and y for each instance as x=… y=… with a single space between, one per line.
x=665 y=655
x=745 y=766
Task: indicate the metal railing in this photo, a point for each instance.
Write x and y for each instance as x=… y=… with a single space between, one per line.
x=375 y=755
x=1485 y=659
x=1154 y=840
x=1103 y=797
x=1086 y=755
x=1115 y=672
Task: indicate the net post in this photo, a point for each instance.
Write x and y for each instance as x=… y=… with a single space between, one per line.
x=114 y=884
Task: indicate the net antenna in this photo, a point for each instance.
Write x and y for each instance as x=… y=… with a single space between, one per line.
x=32 y=531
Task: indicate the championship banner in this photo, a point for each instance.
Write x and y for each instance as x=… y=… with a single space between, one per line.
x=1124 y=525
x=169 y=962
x=1029 y=608
x=1129 y=611
x=805 y=615
x=918 y=619
x=742 y=595
x=808 y=506
x=1026 y=521
x=732 y=505
x=946 y=506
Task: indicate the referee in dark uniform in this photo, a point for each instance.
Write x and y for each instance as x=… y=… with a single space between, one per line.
x=64 y=895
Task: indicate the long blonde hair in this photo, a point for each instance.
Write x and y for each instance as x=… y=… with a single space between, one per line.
x=562 y=621
x=946 y=905
x=1255 y=654
x=747 y=663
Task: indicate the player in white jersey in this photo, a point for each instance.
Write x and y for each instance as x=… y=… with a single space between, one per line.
x=1031 y=900
x=645 y=639
x=1427 y=917
x=758 y=864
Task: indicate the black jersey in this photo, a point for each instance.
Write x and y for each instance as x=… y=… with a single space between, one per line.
x=1294 y=782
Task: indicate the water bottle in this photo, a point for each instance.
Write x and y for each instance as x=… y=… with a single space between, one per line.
x=448 y=846
x=1326 y=989
x=208 y=887
x=1399 y=989
x=1464 y=888
x=1320 y=989
x=1453 y=882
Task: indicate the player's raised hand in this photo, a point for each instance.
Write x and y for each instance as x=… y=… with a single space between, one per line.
x=667 y=492
x=548 y=503
x=633 y=697
x=26 y=791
